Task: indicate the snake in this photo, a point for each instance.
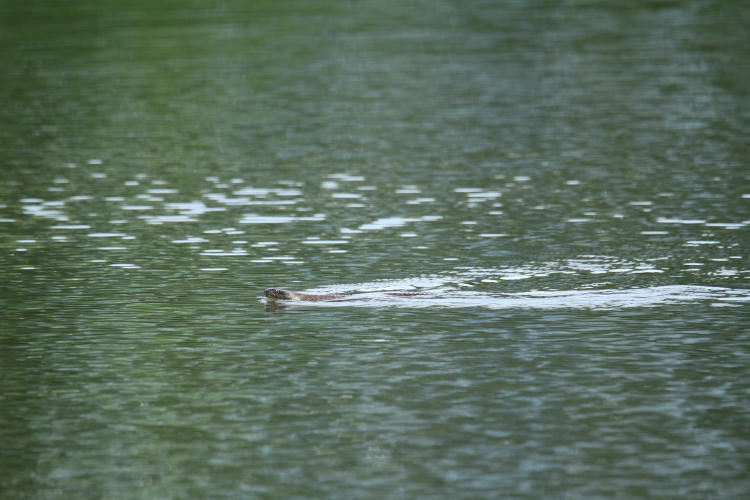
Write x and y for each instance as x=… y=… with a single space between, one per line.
x=281 y=294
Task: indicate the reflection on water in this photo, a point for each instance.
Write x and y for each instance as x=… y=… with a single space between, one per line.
x=332 y=223
x=567 y=184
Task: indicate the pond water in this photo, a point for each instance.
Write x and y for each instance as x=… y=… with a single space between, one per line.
x=565 y=187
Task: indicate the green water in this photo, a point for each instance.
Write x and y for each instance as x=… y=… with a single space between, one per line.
x=566 y=185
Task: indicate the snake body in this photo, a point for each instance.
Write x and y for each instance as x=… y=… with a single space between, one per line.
x=278 y=293
x=281 y=294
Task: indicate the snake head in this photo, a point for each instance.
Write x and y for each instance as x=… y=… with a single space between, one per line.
x=277 y=293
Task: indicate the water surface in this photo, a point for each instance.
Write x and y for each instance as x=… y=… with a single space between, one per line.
x=566 y=186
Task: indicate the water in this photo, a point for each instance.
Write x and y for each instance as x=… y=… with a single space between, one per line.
x=566 y=186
